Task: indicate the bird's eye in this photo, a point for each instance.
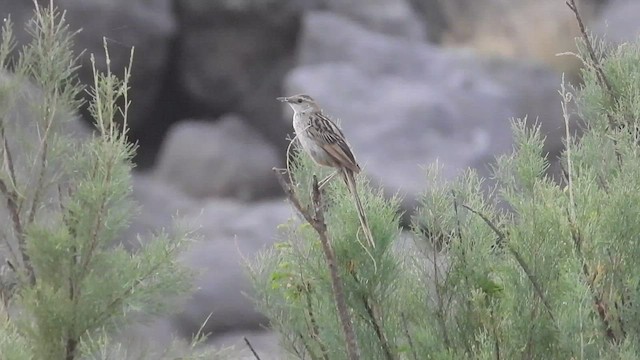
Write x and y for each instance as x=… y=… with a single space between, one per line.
x=299 y=101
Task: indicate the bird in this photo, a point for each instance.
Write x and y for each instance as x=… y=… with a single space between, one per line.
x=327 y=146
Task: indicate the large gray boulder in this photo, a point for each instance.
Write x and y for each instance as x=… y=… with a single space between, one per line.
x=226 y=158
x=405 y=104
x=233 y=55
x=230 y=234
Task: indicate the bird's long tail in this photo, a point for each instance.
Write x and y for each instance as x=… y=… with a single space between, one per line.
x=351 y=183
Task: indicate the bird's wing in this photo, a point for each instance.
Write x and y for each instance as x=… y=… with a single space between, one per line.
x=332 y=140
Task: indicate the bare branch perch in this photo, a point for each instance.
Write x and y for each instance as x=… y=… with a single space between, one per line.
x=315 y=217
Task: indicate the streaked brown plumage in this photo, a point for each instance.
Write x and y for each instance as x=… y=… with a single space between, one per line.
x=325 y=143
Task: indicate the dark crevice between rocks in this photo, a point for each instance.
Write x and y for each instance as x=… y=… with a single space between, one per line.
x=171 y=106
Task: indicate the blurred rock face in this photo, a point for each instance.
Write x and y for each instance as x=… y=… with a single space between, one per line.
x=215 y=68
x=225 y=159
x=619 y=21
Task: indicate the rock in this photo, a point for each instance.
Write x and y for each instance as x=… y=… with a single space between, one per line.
x=222 y=159
x=160 y=207
x=404 y=104
x=233 y=56
x=147 y=25
x=619 y=21
x=157 y=339
x=391 y=17
x=231 y=234
x=436 y=21
x=147 y=340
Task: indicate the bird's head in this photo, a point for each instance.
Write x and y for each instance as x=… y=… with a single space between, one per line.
x=300 y=103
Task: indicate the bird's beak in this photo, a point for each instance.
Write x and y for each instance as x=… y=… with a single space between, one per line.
x=283 y=99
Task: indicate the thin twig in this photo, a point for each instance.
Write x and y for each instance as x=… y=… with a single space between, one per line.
x=40 y=184
x=529 y=347
x=43 y=151
x=253 y=351
x=441 y=312
x=144 y=278
x=94 y=240
x=306 y=346
x=601 y=308
x=566 y=99
x=408 y=335
x=13 y=204
x=314 y=329
x=377 y=327
x=496 y=344
x=315 y=217
x=375 y=319
x=8 y=158
x=595 y=62
x=532 y=278
x=312 y=324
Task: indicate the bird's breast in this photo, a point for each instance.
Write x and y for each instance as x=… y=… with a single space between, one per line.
x=311 y=146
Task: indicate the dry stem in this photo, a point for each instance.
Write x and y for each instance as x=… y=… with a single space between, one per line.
x=314 y=215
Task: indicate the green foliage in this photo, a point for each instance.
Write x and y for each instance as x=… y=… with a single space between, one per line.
x=66 y=199
x=618 y=101
x=293 y=279
x=534 y=268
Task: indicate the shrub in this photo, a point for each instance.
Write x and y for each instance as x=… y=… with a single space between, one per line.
x=66 y=285
x=538 y=269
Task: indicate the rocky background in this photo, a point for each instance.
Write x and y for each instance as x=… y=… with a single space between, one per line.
x=413 y=81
